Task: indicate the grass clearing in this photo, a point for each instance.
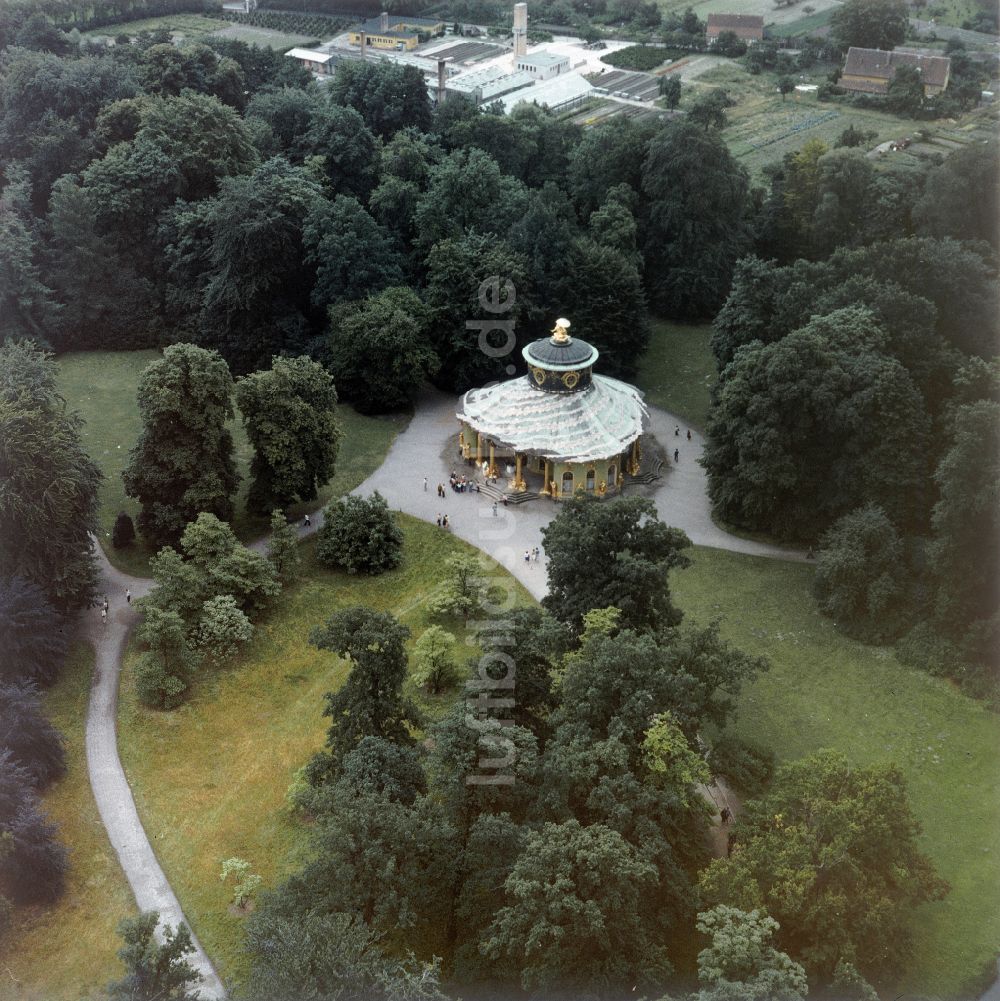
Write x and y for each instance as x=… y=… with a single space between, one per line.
x=102 y=385
x=183 y=27
x=210 y=778
x=824 y=690
x=266 y=38
x=67 y=952
x=677 y=371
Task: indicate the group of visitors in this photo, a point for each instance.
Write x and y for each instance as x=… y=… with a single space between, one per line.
x=442 y=521
x=531 y=555
x=460 y=484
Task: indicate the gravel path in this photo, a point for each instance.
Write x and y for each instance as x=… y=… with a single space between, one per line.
x=107 y=777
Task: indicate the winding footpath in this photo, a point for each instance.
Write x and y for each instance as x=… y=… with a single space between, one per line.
x=428 y=447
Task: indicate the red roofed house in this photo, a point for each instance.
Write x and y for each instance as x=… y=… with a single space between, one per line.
x=746 y=27
x=868 y=71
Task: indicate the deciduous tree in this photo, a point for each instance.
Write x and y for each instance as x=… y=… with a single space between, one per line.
x=693 y=225
x=870 y=24
x=182 y=464
x=290 y=416
x=612 y=554
x=576 y=915
x=370 y=703
x=831 y=853
x=380 y=350
x=48 y=505
x=154 y=971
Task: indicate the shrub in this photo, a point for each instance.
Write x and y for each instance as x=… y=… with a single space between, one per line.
x=862 y=576
x=222 y=628
x=123 y=534
x=360 y=535
x=155 y=684
x=747 y=767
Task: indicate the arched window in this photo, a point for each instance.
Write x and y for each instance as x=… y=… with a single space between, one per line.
x=612 y=476
x=567 y=482
x=590 y=479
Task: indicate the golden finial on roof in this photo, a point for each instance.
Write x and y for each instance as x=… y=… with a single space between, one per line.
x=560 y=332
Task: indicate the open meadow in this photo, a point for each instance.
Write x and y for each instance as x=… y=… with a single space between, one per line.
x=677 y=371
x=824 y=690
x=210 y=778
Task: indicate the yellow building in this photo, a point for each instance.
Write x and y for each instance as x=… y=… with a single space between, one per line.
x=560 y=429
x=395 y=31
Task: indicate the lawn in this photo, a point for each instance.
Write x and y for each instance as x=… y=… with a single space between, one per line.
x=824 y=690
x=678 y=370
x=102 y=385
x=210 y=778
x=68 y=952
x=266 y=38
x=185 y=27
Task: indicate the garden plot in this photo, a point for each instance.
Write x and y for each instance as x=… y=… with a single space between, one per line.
x=766 y=8
x=266 y=38
x=627 y=84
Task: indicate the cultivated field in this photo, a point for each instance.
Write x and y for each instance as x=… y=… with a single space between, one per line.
x=763 y=126
x=184 y=27
x=266 y=38
x=766 y=8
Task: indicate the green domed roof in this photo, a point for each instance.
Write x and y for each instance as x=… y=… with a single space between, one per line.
x=560 y=352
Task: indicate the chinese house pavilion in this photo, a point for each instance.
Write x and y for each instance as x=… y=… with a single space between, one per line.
x=561 y=429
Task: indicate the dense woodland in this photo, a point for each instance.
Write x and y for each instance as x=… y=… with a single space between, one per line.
x=286 y=244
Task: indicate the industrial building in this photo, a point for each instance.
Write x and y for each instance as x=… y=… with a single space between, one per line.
x=542 y=65
x=395 y=31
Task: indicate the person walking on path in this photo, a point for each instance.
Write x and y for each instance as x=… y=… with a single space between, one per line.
x=444 y=521
x=425 y=483
x=439 y=519
x=527 y=556
x=689 y=434
x=104 y=616
x=107 y=604
x=677 y=455
x=677 y=431
x=128 y=597
x=306 y=522
x=494 y=509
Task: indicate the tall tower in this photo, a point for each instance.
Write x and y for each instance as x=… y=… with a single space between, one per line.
x=520 y=30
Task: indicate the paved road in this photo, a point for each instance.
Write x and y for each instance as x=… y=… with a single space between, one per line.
x=107 y=777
